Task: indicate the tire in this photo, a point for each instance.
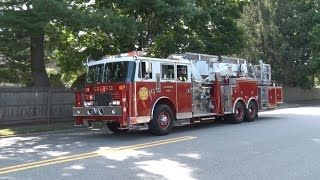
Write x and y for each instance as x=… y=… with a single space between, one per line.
x=162 y=121
x=252 y=112
x=238 y=116
x=114 y=128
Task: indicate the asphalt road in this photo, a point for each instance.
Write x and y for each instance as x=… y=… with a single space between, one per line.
x=281 y=144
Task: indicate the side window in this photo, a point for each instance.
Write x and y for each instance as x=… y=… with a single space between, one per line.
x=167 y=72
x=182 y=72
x=145 y=70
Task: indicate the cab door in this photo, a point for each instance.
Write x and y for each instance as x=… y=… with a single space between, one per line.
x=184 y=93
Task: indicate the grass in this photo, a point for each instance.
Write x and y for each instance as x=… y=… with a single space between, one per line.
x=6 y=132
x=35 y=128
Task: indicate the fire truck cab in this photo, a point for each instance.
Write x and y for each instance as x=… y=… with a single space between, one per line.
x=156 y=94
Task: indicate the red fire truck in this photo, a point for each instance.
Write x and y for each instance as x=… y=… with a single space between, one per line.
x=156 y=94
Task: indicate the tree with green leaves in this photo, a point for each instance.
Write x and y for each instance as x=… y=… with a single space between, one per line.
x=67 y=32
x=25 y=26
x=280 y=33
x=165 y=26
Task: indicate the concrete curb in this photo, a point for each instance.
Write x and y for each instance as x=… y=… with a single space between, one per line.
x=306 y=103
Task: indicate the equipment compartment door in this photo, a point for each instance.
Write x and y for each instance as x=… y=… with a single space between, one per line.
x=184 y=93
x=279 y=95
x=272 y=97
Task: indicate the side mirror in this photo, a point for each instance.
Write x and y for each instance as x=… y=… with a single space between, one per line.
x=148 y=67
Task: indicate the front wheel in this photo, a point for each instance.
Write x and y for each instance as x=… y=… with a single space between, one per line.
x=252 y=112
x=162 y=121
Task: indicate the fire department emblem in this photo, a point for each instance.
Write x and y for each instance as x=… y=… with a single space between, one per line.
x=143 y=93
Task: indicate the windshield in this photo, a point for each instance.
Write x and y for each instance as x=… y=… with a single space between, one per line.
x=119 y=71
x=111 y=72
x=95 y=74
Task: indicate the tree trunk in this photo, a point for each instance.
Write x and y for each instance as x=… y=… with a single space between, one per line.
x=38 y=70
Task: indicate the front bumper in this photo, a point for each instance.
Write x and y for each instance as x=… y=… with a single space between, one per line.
x=97 y=111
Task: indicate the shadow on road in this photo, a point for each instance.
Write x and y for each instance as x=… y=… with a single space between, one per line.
x=134 y=134
x=35 y=147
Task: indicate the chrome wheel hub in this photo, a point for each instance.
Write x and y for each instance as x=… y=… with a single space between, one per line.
x=163 y=120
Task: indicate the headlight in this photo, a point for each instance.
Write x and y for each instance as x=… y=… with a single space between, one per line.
x=88 y=103
x=116 y=103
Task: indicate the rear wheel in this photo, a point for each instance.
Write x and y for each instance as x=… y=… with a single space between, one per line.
x=252 y=112
x=162 y=121
x=114 y=127
x=238 y=116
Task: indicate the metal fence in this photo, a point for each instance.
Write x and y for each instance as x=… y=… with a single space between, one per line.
x=24 y=105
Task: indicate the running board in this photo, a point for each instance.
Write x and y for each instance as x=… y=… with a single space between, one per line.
x=207 y=114
x=208 y=119
x=181 y=122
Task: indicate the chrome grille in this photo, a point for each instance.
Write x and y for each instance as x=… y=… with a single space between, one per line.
x=103 y=99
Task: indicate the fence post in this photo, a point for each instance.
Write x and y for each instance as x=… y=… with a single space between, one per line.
x=49 y=106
